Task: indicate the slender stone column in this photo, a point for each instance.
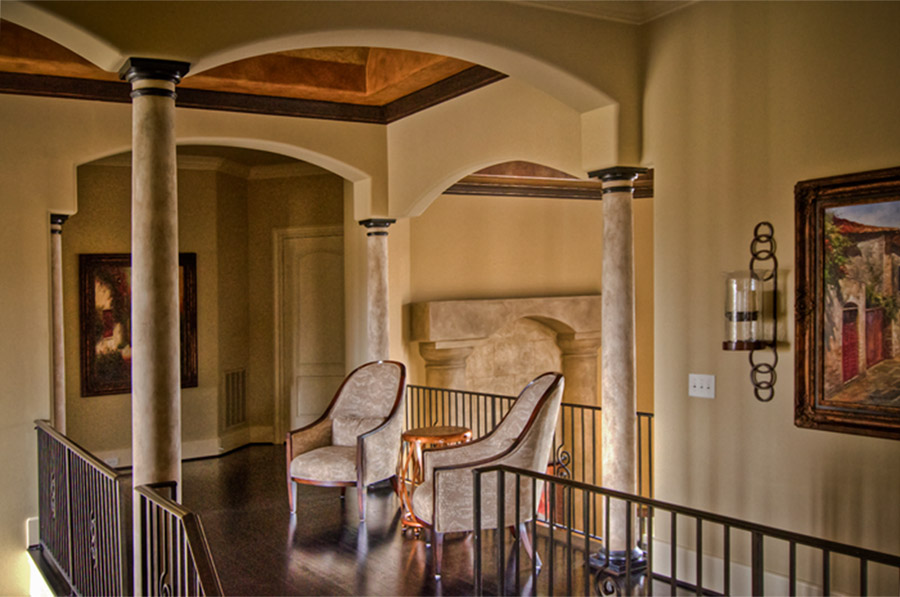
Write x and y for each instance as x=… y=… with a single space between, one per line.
x=156 y=363
x=155 y=335
x=377 y=295
x=445 y=367
x=619 y=420
x=58 y=412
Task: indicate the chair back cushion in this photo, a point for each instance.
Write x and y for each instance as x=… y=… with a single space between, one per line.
x=369 y=393
x=345 y=430
x=511 y=426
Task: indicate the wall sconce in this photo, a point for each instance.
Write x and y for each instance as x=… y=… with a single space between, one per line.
x=745 y=310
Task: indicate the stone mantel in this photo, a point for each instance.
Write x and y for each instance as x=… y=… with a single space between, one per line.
x=466 y=322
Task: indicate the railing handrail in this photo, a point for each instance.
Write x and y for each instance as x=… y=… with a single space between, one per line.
x=737 y=523
x=593 y=407
x=196 y=538
x=95 y=462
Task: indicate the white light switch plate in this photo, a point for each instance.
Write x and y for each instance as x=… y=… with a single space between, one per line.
x=701 y=386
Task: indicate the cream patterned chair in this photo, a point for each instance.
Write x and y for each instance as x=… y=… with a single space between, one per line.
x=357 y=441
x=523 y=439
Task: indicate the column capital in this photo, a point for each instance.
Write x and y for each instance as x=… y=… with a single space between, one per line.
x=136 y=69
x=56 y=222
x=617 y=173
x=377 y=226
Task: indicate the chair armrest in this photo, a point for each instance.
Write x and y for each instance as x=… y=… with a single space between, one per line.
x=305 y=439
x=378 y=450
x=448 y=456
x=454 y=488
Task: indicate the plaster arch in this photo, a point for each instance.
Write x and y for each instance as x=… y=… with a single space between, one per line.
x=440 y=186
x=360 y=182
x=552 y=79
x=506 y=121
x=109 y=51
x=92 y=48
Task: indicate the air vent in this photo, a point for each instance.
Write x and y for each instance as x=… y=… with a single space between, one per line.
x=235 y=397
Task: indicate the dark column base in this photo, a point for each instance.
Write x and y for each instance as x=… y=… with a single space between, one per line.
x=610 y=578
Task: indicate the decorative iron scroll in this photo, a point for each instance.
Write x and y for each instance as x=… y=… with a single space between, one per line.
x=561 y=462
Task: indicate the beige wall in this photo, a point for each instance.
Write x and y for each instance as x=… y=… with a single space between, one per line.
x=742 y=101
x=228 y=221
x=233 y=326
x=103 y=225
x=509 y=247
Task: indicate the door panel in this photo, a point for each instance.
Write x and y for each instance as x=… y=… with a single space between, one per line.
x=313 y=333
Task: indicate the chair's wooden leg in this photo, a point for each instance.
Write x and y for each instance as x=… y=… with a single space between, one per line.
x=292 y=488
x=361 y=498
x=343 y=492
x=437 y=542
x=522 y=532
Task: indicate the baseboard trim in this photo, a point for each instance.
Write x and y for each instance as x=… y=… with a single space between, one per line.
x=197 y=449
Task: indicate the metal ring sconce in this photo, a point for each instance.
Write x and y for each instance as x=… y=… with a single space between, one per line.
x=743 y=310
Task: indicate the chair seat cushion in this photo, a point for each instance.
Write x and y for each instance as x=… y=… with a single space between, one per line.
x=331 y=464
x=345 y=430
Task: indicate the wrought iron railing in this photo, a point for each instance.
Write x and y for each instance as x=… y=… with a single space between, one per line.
x=682 y=550
x=576 y=442
x=85 y=519
x=175 y=556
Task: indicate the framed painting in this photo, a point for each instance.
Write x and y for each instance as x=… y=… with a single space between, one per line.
x=848 y=303
x=105 y=297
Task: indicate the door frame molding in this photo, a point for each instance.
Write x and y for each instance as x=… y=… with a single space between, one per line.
x=280 y=236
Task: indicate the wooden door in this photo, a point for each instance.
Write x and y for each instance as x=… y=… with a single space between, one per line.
x=874 y=336
x=312 y=332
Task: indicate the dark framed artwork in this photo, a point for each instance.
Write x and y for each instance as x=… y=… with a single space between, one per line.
x=848 y=303
x=105 y=296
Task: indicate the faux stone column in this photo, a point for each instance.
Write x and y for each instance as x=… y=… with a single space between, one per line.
x=58 y=412
x=619 y=420
x=579 y=367
x=377 y=295
x=156 y=362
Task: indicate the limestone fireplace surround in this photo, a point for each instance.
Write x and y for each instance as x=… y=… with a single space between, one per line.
x=448 y=332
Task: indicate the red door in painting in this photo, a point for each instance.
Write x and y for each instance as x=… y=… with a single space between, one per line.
x=850 y=344
x=874 y=336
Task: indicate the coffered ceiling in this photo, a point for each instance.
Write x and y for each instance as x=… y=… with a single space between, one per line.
x=359 y=84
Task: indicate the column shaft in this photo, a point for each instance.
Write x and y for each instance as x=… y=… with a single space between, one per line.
x=155 y=329
x=156 y=370
x=619 y=419
x=58 y=411
x=377 y=293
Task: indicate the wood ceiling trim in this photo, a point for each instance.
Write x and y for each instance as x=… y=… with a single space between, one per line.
x=541 y=187
x=94 y=90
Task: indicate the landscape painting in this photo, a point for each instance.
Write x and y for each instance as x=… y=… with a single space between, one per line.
x=848 y=303
x=106 y=341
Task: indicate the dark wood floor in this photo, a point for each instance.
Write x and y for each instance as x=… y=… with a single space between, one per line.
x=260 y=549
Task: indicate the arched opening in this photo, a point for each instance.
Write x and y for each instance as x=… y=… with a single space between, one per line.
x=261 y=228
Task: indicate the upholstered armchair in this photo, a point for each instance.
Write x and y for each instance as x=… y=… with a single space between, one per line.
x=523 y=439
x=357 y=441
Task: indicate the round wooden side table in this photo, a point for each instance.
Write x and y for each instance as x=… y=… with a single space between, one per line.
x=411 y=471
